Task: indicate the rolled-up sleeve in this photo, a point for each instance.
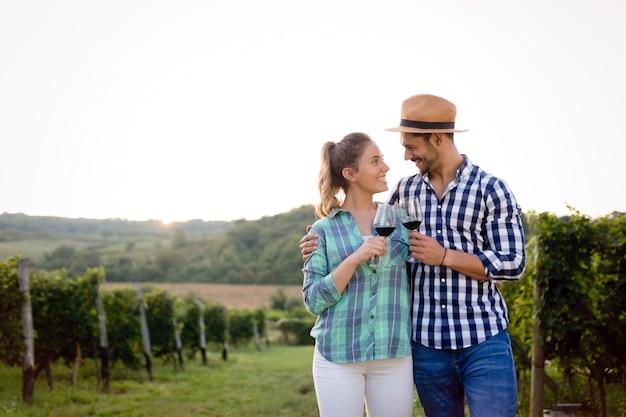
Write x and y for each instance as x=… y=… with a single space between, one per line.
x=505 y=258
x=319 y=289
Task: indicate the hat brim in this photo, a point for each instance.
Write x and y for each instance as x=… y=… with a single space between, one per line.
x=418 y=130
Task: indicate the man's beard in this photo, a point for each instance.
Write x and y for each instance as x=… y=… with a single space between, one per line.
x=428 y=159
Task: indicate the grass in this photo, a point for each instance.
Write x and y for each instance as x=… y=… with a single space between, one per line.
x=34 y=249
x=276 y=381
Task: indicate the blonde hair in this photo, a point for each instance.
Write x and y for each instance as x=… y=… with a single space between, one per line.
x=334 y=158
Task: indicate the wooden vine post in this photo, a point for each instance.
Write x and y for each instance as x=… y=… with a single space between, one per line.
x=537 y=372
x=202 y=336
x=179 y=344
x=104 y=343
x=257 y=337
x=28 y=365
x=177 y=340
x=145 y=335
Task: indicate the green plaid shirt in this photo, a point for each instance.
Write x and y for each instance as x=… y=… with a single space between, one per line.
x=371 y=319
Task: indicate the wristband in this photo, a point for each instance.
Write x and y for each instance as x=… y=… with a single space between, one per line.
x=445 y=252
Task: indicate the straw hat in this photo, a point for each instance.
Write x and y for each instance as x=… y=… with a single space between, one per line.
x=425 y=113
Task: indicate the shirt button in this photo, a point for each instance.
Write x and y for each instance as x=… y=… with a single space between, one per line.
x=439 y=231
x=443 y=280
x=443 y=306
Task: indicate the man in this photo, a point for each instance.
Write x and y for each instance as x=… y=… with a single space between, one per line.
x=470 y=240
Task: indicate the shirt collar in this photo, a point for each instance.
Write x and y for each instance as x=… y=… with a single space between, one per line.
x=334 y=212
x=465 y=169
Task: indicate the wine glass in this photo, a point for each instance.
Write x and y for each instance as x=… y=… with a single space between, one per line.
x=384 y=223
x=411 y=214
x=411 y=217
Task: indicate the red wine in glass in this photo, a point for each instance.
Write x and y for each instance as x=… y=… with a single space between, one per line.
x=385 y=231
x=411 y=217
x=384 y=223
x=412 y=224
x=411 y=214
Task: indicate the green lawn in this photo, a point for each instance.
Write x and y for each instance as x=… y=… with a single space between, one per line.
x=33 y=249
x=274 y=382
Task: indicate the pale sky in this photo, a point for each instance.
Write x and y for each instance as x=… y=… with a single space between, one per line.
x=217 y=109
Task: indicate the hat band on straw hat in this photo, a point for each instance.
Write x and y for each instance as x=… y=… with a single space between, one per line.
x=426 y=125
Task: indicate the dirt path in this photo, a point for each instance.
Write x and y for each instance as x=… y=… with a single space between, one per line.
x=231 y=296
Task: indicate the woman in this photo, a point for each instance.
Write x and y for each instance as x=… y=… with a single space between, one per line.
x=362 y=332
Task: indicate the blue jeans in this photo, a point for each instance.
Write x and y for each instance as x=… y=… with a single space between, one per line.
x=484 y=373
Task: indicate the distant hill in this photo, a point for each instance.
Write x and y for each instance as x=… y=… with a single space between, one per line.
x=16 y=226
x=263 y=251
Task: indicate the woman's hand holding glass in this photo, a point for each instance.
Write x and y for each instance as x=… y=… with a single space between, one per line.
x=373 y=248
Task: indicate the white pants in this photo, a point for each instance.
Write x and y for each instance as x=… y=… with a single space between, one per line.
x=385 y=387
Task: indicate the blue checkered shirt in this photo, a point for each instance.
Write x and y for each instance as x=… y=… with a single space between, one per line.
x=477 y=214
x=371 y=318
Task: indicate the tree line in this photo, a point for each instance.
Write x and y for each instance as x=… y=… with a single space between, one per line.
x=263 y=251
